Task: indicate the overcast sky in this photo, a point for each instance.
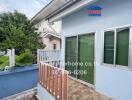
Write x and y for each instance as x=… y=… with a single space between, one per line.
x=28 y=7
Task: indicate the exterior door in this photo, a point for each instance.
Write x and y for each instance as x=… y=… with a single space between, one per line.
x=86 y=58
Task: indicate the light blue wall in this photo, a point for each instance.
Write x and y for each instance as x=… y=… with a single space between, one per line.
x=114 y=82
x=17 y=81
x=44 y=94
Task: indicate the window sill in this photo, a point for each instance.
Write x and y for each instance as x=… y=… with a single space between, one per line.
x=120 y=67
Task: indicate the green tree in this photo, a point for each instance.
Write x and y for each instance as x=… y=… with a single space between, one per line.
x=16 y=31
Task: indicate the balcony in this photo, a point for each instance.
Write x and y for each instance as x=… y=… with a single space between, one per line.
x=56 y=84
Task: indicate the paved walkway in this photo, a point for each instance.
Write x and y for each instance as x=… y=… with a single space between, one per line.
x=78 y=91
x=26 y=95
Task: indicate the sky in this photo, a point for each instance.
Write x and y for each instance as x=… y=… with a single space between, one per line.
x=28 y=7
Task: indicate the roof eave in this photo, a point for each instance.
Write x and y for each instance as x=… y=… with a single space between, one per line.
x=48 y=9
x=71 y=9
x=48 y=35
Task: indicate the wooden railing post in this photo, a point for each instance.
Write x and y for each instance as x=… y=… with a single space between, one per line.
x=43 y=74
x=60 y=85
x=39 y=72
x=49 y=78
x=46 y=76
x=54 y=80
x=65 y=86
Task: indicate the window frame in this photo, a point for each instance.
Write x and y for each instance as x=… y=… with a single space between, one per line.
x=54 y=45
x=77 y=35
x=104 y=46
x=115 y=41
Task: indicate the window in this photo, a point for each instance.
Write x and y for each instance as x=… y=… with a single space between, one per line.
x=71 y=54
x=54 y=46
x=122 y=47
x=116 y=46
x=79 y=57
x=109 y=47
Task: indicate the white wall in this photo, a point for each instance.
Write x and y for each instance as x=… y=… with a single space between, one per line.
x=49 y=43
x=45 y=27
x=114 y=82
x=44 y=24
x=44 y=94
x=57 y=26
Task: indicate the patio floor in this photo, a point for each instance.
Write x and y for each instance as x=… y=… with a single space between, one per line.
x=25 y=95
x=79 y=91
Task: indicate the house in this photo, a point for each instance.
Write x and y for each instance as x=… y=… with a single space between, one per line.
x=96 y=44
x=50 y=31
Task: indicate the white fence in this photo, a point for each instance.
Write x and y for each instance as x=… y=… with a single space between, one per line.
x=52 y=57
x=11 y=54
x=2 y=53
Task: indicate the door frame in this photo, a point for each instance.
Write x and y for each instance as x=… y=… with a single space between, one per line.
x=77 y=35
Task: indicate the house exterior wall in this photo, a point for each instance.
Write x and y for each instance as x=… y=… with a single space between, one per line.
x=114 y=82
x=45 y=27
x=49 y=43
x=57 y=26
x=44 y=94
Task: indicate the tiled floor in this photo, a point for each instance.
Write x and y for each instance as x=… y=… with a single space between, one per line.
x=78 y=91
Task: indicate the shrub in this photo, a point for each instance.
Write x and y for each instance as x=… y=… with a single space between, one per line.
x=24 y=59
x=4 y=61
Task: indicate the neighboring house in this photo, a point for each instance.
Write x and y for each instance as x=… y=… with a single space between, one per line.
x=101 y=40
x=50 y=33
x=50 y=30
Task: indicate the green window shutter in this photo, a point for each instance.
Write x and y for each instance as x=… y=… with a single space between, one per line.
x=71 y=54
x=122 y=47
x=109 y=47
x=86 y=57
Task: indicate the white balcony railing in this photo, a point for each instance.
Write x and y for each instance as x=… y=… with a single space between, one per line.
x=52 y=57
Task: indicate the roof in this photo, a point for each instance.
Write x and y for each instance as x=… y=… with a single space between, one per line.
x=48 y=9
x=64 y=7
x=77 y=5
x=48 y=35
x=57 y=9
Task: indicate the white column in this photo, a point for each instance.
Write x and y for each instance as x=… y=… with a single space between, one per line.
x=38 y=55
x=9 y=54
x=13 y=57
